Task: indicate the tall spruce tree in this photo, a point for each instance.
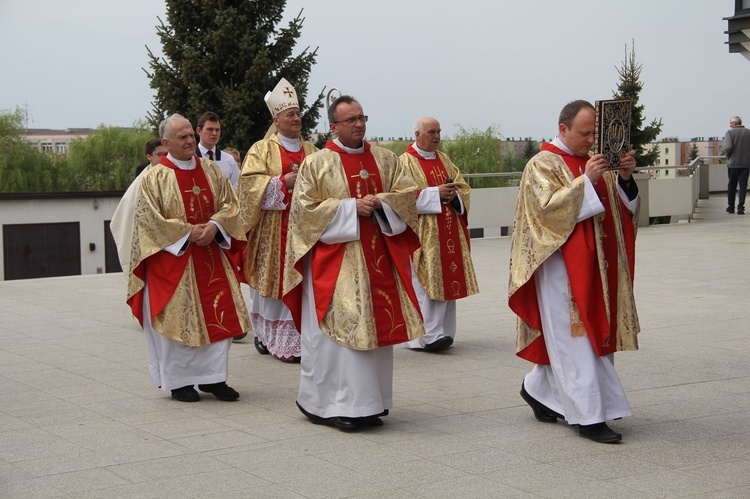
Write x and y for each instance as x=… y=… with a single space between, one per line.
x=223 y=56
x=630 y=87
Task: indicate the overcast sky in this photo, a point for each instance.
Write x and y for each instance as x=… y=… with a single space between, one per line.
x=469 y=63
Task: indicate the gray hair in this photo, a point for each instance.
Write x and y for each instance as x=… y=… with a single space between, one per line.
x=736 y=120
x=165 y=127
x=419 y=125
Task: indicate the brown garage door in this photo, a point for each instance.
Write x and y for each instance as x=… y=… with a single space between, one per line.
x=41 y=250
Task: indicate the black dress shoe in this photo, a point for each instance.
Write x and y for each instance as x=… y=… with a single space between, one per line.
x=221 y=391
x=439 y=344
x=541 y=412
x=239 y=337
x=260 y=347
x=290 y=360
x=599 y=432
x=345 y=424
x=316 y=419
x=186 y=394
x=730 y=209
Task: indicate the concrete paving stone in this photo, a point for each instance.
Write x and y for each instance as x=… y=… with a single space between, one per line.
x=670 y=483
x=465 y=486
x=218 y=440
x=34 y=488
x=78 y=401
x=149 y=490
x=164 y=468
x=216 y=484
x=76 y=482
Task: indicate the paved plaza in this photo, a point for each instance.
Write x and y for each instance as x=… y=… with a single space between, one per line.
x=80 y=419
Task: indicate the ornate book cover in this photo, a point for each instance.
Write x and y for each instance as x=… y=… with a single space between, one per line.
x=612 y=133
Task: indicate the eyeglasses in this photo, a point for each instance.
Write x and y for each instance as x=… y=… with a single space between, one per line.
x=353 y=120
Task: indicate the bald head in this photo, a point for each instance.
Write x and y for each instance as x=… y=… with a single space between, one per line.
x=427 y=133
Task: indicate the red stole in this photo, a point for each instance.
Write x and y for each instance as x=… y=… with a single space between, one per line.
x=288 y=159
x=164 y=270
x=383 y=255
x=449 y=223
x=581 y=261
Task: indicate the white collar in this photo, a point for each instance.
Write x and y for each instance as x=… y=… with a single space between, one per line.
x=423 y=153
x=291 y=145
x=182 y=164
x=559 y=144
x=204 y=150
x=356 y=150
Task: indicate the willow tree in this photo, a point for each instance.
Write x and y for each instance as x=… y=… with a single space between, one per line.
x=223 y=56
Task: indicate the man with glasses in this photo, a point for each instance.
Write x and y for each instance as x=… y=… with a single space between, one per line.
x=347 y=277
x=154 y=150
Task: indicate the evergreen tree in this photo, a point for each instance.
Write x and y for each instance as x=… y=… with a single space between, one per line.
x=223 y=56
x=530 y=150
x=630 y=87
x=693 y=153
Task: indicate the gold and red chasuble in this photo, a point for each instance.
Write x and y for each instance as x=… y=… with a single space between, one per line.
x=449 y=223
x=165 y=270
x=290 y=162
x=385 y=256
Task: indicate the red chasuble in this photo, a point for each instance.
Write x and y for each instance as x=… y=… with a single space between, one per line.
x=290 y=162
x=163 y=270
x=581 y=261
x=384 y=255
x=449 y=223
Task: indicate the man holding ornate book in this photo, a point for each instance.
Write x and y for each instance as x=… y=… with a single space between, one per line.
x=571 y=277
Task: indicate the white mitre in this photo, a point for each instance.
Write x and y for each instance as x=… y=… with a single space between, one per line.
x=281 y=98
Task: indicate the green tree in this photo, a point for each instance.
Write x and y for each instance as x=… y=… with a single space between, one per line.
x=23 y=168
x=693 y=152
x=530 y=150
x=398 y=147
x=476 y=151
x=630 y=87
x=223 y=56
x=106 y=160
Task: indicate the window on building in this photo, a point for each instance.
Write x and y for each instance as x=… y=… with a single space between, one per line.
x=666 y=150
x=666 y=162
x=46 y=147
x=666 y=173
x=745 y=4
x=61 y=148
x=658 y=162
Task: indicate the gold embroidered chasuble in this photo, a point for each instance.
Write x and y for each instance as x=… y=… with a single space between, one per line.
x=429 y=264
x=549 y=202
x=321 y=186
x=263 y=228
x=160 y=220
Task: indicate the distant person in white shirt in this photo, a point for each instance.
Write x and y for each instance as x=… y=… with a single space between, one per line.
x=209 y=131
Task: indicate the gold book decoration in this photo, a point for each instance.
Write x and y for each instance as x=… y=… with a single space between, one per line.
x=612 y=133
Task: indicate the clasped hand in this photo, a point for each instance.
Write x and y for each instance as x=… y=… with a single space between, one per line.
x=448 y=192
x=368 y=204
x=203 y=234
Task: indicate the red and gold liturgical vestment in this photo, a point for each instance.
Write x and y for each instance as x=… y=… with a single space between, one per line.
x=599 y=255
x=195 y=297
x=443 y=262
x=363 y=292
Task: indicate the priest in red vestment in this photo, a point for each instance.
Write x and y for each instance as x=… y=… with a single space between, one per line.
x=571 y=277
x=443 y=270
x=182 y=286
x=347 y=277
